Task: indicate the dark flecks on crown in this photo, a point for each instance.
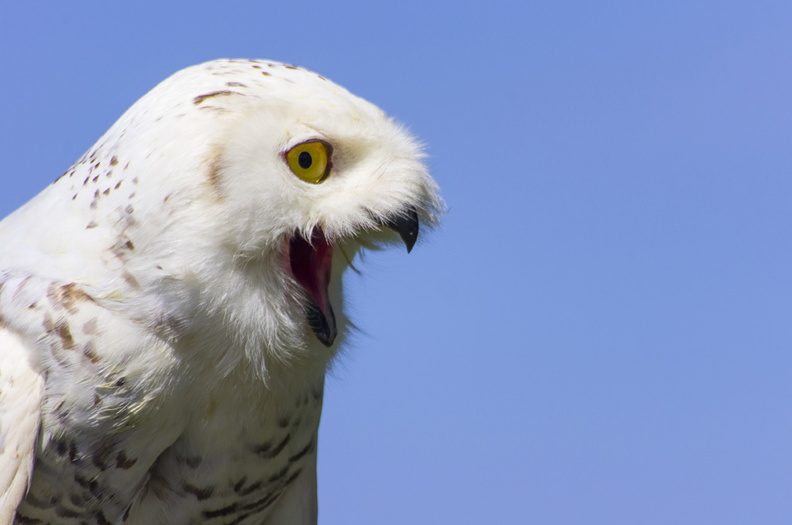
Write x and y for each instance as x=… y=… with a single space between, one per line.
x=222 y=93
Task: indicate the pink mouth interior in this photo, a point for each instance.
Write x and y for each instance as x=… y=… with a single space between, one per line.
x=311 y=265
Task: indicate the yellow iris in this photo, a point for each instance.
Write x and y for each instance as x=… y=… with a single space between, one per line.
x=310 y=161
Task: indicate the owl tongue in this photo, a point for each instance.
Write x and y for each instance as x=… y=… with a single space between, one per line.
x=310 y=263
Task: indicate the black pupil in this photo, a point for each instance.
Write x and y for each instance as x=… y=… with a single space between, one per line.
x=304 y=160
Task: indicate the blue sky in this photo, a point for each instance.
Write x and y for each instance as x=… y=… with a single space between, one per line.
x=600 y=333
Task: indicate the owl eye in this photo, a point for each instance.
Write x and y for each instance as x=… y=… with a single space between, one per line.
x=310 y=160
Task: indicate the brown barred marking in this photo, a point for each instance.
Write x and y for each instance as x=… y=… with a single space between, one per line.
x=123 y=462
x=249 y=490
x=91 y=327
x=62 y=331
x=60 y=446
x=301 y=453
x=24 y=520
x=293 y=477
x=101 y=519
x=200 y=494
x=278 y=475
x=262 y=503
x=88 y=351
x=239 y=484
x=130 y=280
x=200 y=98
x=266 y=451
x=101 y=455
x=68 y=296
x=73 y=452
x=224 y=511
x=215 y=174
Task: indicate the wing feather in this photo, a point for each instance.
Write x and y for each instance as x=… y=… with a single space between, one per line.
x=21 y=389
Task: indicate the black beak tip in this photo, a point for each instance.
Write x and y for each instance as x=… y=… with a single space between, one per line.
x=407 y=226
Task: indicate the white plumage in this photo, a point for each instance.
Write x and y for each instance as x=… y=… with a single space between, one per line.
x=169 y=306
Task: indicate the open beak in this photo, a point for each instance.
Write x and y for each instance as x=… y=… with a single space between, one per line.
x=310 y=262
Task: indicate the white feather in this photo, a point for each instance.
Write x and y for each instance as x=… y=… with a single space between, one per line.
x=20 y=399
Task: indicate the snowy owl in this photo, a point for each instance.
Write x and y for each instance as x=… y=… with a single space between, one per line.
x=170 y=304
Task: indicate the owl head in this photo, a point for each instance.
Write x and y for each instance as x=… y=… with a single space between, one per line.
x=249 y=187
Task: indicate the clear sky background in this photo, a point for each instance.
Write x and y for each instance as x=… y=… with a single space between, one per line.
x=601 y=333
